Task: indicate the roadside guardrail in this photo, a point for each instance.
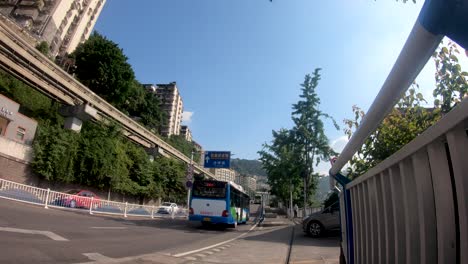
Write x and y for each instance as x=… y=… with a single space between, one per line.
x=51 y=199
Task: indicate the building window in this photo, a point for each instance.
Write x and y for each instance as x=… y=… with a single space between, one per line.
x=20 y=133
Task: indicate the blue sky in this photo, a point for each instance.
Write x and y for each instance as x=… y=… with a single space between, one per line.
x=238 y=64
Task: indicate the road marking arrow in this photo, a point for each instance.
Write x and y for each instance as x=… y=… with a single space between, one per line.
x=48 y=234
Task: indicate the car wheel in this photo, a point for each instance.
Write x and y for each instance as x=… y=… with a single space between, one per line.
x=73 y=204
x=315 y=229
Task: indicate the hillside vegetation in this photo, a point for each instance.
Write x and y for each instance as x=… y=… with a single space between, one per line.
x=248 y=167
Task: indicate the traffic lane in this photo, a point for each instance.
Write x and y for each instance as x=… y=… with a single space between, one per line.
x=26 y=248
x=325 y=249
x=96 y=234
x=263 y=245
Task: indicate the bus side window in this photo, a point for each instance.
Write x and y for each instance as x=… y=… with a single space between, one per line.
x=232 y=197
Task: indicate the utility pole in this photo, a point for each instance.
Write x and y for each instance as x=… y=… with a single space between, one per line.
x=291 y=210
x=189 y=178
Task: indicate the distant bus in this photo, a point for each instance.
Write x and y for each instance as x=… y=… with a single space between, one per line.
x=218 y=202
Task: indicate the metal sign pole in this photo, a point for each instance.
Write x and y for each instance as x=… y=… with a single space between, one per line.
x=189 y=178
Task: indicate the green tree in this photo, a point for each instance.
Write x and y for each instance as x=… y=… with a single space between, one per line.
x=279 y=160
x=43 y=47
x=406 y=121
x=309 y=133
x=147 y=107
x=174 y=179
x=451 y=82
x=180 y=143
x=32 y=103
x=102 y=66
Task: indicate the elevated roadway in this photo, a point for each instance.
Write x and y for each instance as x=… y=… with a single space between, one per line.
x=25 y=62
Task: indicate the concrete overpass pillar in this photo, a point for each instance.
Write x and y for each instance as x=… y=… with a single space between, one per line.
x=76 y=114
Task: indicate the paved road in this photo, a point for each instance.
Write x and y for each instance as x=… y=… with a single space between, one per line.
x=32 y=234
x=113 y=237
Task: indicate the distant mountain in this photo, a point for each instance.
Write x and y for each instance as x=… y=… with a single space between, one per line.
x=250 y=167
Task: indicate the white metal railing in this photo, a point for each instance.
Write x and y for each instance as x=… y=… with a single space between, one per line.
x=92 y=205
x=410 y=207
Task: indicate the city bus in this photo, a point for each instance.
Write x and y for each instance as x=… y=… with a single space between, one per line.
x=218 y=202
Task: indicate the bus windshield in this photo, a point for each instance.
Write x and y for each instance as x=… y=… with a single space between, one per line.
x=209 y=189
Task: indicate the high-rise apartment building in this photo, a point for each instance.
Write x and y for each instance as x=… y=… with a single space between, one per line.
x=185 y=131
x=224 y=174
x=63 y=24
x=247 y=181
x=171 y=103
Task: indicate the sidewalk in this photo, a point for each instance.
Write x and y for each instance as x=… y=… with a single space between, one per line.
x=268 y=243
x=308 y=250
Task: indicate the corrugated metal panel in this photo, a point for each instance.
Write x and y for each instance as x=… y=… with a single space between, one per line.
x=444 y=206
x=412 y=218
x=458 y=145
x=426 y=207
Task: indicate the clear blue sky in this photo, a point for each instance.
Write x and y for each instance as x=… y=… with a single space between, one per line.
x=238 y=64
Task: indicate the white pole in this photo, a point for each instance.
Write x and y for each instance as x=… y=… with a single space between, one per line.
x=291 y=211
x=189 y=178
x=417 y=50
x=91 y=206
x=125 y=210
x=152 y=212
x=47 y=199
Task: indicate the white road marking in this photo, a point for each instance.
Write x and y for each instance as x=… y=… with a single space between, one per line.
x=97 y=256
x=215 y=245
x=275 y=223
x=48 y=234
x=200 y=255
x=209 y=252
x=108 y=227
x=217 y=249
x=190 y=258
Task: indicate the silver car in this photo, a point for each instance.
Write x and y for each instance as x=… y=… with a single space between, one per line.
x=318 y=223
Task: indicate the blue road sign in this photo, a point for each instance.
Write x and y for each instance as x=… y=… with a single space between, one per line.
x=217 y=159
x=188 y=184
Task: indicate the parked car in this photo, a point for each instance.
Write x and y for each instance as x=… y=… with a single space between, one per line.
x=318 y=223
x=168 y=208
x=78 y=199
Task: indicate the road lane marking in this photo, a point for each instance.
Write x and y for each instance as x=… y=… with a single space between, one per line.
x=215 y=245
x=97 y=256
x=108 y=227
x=190 y=258
x=209 y=252
x=48 y=234
x=200 y=255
